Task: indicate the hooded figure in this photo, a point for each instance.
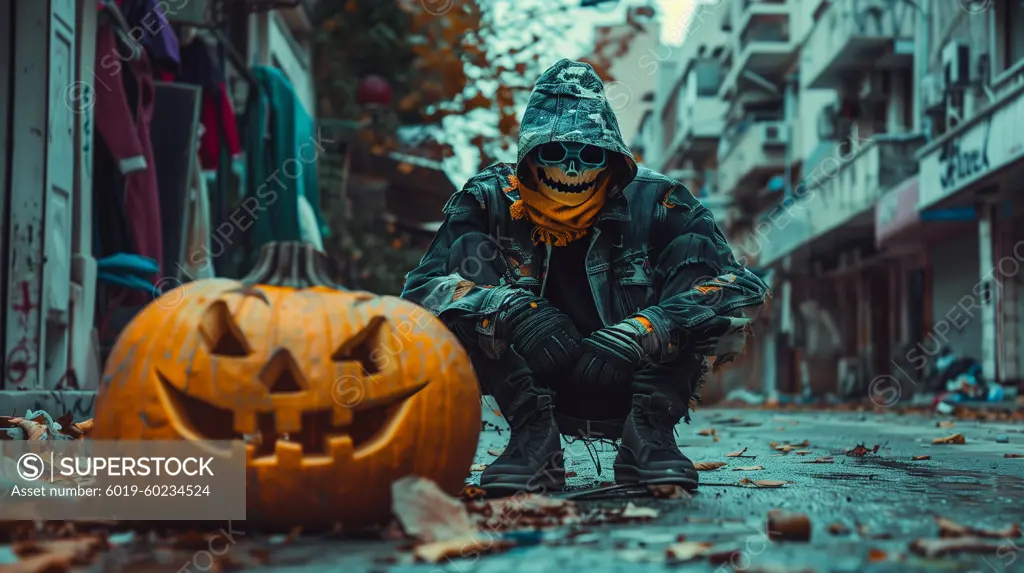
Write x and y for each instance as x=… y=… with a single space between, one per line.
x=584 y=287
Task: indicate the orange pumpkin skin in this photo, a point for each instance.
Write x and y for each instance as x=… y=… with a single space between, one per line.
x=337 y=393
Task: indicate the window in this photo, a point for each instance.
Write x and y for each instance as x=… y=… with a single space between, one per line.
x=709 y=75
x=1010 y=22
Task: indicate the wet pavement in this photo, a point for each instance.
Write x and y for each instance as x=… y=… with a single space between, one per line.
x=885 y=499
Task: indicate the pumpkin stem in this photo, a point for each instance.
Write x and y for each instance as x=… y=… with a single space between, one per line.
x=292 y=264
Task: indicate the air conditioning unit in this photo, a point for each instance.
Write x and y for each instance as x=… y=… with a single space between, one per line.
x=956 y=65
x=774 y=134
x=877 y=85
x=933 y=94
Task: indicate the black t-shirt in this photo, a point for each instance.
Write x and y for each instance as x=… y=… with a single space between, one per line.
x=568 y=287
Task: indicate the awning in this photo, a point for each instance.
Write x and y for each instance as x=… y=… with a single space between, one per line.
x=897 y=212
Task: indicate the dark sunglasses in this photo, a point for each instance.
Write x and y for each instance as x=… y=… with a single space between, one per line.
x=559 y=152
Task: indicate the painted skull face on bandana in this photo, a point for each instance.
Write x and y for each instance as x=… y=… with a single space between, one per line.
x=567 y=172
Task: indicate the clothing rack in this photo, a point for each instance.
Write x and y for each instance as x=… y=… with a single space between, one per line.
x=236 y=59
x=121 y=27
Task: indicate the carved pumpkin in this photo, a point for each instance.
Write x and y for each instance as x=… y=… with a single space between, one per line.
x=336 y=393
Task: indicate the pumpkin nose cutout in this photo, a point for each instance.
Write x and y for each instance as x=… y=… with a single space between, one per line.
x=282 y=375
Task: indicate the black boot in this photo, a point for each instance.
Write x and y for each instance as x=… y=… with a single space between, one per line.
x=648 y=452
x=532 y=462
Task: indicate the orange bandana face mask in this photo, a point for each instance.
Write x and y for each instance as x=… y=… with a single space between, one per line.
x=562 y=201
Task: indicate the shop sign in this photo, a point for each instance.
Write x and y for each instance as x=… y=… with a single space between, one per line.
x=988 y=145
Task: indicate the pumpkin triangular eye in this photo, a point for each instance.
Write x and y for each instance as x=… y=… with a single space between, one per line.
x=282 y=375
x=360 y=347
x=221 y=332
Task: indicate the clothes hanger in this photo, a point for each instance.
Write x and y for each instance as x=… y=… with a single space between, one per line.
x=121 y=28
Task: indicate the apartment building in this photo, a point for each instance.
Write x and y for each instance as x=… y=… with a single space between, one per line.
x=863 y=154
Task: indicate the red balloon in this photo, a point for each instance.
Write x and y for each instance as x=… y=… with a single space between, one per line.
x=374 y=90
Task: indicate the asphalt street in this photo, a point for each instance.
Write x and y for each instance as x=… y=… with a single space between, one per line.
x=866 y=508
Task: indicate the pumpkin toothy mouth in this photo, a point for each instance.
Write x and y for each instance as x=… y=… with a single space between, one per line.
x=198 y=420
x=565 y=187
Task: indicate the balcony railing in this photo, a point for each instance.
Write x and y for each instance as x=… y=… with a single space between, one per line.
x=854 y=35
x=838 y=194
x=750 y=151
x=763 y=42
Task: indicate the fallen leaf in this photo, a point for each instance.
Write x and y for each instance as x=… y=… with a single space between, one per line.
x=570 y=475
x=803 y=452
x=949 y=528
x=454 y=548
x=1013 y=455
x=736 y=454
x=477 y=467
x=668 y=491
x=637 y=512
x=945 y=424
x=470 y=492
x=686 y=551
x=920 y=458
x=788 y=526
x=706 y=432
x=954 y=439
x=716 y=439
x=427 y=513
x=748 y=469
x=785 y=449
x=877 y=555
x=766 y=483
x=821 y=460
x=839 y=529
x=494 y=452
x=932 y=548
x=708 y=466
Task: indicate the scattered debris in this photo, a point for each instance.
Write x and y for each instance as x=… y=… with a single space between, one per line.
x=945 y=424
x=821 y=460
x=477 y=467
x=57 y=555
x=633 y=511
x=920 y=458
x=708 y=466
x=860 y=450
x=839 y=529
x=736 y=454
x=459 y=547
x=707 y=432
x=427 y=513
x=877 y=555
x=788 y=526
x=1002 y=439
x=1013 y=455
x=932 y=548
x=686 y=551
x=748 y=469
x=668 y=491
x=949 y=528
x=766 y=483
x=803 y=452
x=954 y=439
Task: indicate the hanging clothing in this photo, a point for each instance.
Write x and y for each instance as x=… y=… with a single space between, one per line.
x=220 y=128
x=198 y=263
x=123 y=111
x=284 y=149
x=155 y=32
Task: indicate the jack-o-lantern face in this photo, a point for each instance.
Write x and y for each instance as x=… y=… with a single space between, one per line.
x=336 y=393
x=566 y=172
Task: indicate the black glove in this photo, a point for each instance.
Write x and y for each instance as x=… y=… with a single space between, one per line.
x=541 y=334
x=611 y=355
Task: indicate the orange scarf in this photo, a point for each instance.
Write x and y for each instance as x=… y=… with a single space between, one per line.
x=553 y=222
